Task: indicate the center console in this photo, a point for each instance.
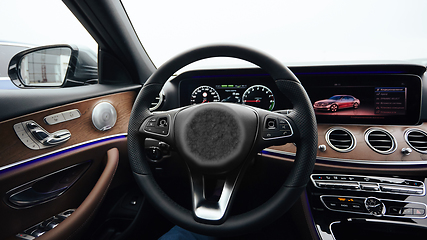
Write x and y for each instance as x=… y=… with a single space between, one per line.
x=368 y=207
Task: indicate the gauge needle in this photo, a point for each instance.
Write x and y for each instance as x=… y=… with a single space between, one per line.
x=204 y=101
x=252 y=100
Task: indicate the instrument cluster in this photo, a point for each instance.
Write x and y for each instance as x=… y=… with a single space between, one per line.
x=256 y=95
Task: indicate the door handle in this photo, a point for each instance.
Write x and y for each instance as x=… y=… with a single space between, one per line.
x=45 y=188
x=30 y=196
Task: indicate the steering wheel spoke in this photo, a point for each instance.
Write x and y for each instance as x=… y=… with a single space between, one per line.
x=212 y=207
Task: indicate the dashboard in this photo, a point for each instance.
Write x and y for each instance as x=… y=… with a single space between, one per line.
x=364 y=112
x=372 y=156
x=369 y=95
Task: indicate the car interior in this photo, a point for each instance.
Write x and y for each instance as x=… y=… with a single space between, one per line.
x=119 y=148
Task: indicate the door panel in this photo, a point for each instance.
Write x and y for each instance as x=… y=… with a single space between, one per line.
x=12 y=150
x=20 y=165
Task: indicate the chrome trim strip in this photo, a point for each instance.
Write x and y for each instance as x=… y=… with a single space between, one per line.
x=268 y=151
x=60 y=150
x=209 y=210
x=396 y=180
x=394 y=222
x=407 y=132
x=330 y=228
x=353 y=139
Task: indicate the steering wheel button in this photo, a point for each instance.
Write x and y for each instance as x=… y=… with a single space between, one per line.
x=163 y=122
x=282 y=121
x=284 y=127
x=149 y=129
x=151 y=124
x=286 y=133
x=270 y=124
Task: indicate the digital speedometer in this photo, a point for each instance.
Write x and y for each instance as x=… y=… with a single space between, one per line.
x=204 y=94
x=259 y=96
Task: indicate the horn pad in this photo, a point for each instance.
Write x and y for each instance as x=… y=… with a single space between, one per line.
x=211 y=137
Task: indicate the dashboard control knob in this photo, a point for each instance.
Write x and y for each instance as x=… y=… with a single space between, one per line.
x=375 y=206
x=322 y=148
x=406 y=151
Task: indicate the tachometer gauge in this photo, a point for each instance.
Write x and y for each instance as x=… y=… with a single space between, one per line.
x=259 y=96
x=204 y=94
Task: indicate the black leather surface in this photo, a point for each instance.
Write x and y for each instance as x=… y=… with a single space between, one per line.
x=305 y=120
x=137 y=157
x=265 y=62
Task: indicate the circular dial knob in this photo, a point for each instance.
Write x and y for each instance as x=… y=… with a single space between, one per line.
x=375 y=206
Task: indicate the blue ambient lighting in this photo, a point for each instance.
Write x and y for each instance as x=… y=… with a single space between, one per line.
x=302 y=73
x=60 y=153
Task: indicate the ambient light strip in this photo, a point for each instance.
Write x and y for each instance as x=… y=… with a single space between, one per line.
x=61 y=151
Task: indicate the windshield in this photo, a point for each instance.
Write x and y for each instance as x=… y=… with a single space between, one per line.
x=335 y=98
x=294 y=32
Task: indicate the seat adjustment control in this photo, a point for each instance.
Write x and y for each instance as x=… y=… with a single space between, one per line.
x=35 y=137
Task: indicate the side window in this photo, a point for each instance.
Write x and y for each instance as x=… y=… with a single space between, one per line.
x=40 y=24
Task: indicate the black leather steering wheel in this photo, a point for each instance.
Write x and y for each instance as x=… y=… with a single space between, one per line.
x=236 y=134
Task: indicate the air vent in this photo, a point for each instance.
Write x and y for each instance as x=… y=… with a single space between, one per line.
x=417 y=139
x=157 y=102
x=380 y=141
x=340 y=139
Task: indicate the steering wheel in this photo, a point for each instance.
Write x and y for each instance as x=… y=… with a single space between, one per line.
x=219 y=140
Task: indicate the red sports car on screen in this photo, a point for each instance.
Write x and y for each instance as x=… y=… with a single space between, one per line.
x=337 y=102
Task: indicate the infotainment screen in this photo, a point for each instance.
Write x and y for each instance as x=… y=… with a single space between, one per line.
x=376 y=99
x=336 y=97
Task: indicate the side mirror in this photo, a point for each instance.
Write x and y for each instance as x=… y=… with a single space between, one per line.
x=53 y=66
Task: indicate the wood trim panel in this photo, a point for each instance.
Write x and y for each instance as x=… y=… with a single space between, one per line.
x=13 y=150
x=362 y=151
